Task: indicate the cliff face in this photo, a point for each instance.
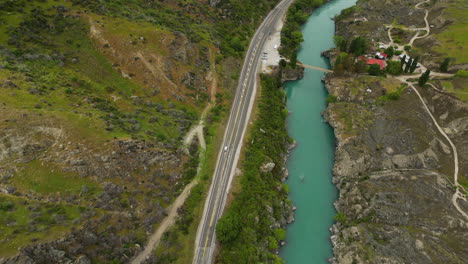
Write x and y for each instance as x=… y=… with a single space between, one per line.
x=393 y=169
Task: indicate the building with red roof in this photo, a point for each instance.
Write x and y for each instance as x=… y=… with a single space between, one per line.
x=381 y=63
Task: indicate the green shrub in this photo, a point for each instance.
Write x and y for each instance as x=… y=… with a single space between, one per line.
x=374 y=70
x=461 y=73
x=358 y=46
x=393 y=67
x=6 y=206
x=331 y=98
x=272 y=243
x=280 y=234
x=340 y=218
x=345 y=12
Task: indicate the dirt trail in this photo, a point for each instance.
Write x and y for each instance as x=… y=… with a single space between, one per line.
x=197 y=130
x=170 y=219
x=457 y=195
x=427 y=28
x=167 y=222
x=416 y=36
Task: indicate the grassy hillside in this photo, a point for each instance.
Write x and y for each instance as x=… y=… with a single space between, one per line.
x=95 y=99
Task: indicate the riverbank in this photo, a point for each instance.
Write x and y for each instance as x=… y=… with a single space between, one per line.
x=252 y=228
x=393 y=168
x=310 y=164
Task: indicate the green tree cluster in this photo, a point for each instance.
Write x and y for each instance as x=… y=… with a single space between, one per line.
x=291 y=36
x=393 y=68
x=340 y=43
x=245 y=227
x=390 y=51
x=358 y=46
x=346 y=62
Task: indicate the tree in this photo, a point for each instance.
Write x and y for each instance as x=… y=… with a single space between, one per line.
x=374 y=70
x=393 y=67
x=228 y=228
x=293 y=60
x=358 y=46
x=414 y=64
x=236 y=44
x=360 y=66
x=282 y=63
x=402 y=60
x=444 y=65
x=424 y=78
x=408 y=65
x=389 y=51
x=340 y=43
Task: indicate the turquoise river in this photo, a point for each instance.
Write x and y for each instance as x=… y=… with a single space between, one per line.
x=310 y=163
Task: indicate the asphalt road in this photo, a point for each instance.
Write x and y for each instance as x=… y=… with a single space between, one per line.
x=230 y=149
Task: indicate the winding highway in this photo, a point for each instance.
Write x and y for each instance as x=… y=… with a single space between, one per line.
x=228 y=156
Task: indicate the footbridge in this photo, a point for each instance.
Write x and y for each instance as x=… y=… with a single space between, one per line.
x=313 y=67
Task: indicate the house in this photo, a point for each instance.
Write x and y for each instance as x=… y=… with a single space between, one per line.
x=381 y=63
x=381 y=56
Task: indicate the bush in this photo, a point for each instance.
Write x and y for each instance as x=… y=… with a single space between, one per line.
x=393 y=68
x=345 y=12
x=280 y=234
x=228 y=228
x=390 y=51
x=392 y=96
x=374 y=70
x=331 y=98
x=461 y=73
x=340 y=218
x=407 y=47
x=272 y=243
x=340 y=43
x=358 y=46
x=6 y=206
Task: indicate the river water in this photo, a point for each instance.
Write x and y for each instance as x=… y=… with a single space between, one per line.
x=310 y=163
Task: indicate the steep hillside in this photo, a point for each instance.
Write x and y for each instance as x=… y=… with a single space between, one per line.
x=401 y=160
x=95 y=99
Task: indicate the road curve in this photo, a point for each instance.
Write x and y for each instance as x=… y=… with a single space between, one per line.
x=229 y=153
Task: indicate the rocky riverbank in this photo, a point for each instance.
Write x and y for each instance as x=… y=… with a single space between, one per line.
x=393 y=169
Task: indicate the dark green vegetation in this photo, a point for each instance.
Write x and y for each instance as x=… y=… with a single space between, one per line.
x=374 y=70
x=393 y=67
x=346 y=61
x=424 y=78
x=245 y=231
x=291 y=36
x=444 y=65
